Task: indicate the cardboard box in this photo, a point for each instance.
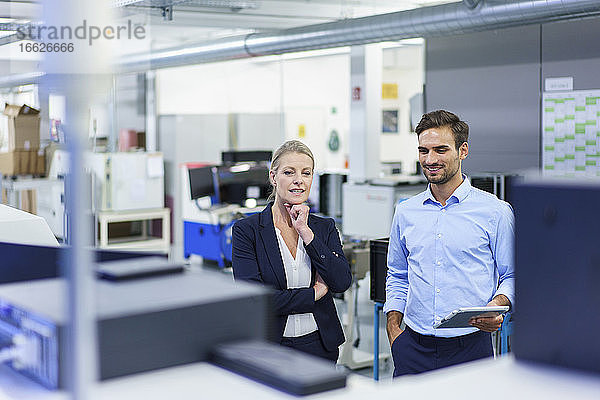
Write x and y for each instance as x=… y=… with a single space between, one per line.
x=22 y=162
x=29 y=200
x=130 y=139
x=23 y=127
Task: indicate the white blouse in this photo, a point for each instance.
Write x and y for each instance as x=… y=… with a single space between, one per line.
x=298 y=274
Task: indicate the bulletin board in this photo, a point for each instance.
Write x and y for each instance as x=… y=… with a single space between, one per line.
x=571 y=133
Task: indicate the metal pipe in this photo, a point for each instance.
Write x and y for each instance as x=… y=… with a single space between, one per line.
x=471 y=4
x=80 y=76
x=446 y=19
x=10 y=39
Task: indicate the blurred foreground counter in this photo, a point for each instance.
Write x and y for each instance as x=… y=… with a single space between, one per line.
x=505 y=378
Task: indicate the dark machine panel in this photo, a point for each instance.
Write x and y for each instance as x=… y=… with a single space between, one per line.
x=378 y=273
x=23 y=262
x=557 y=274
x=143 y=324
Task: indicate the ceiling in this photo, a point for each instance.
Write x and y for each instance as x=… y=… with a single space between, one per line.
x=198 y=20
x=178 y=22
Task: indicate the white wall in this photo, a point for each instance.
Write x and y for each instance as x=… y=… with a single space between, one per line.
x=403 y=66
x=311 y=91
x=242 y=86
x=316 y=94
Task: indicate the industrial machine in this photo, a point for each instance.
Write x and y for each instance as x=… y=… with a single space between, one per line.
x=51 y=197
x=127 y=181
x=203 y=223
x=495 y=183
x=326 y=192
x=214 y=197
x=18 y=226
x=142 y=324
x=23 y=262
x=368 y=208
x=378 y=268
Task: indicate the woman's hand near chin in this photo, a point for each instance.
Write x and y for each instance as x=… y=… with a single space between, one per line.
x=299 y=215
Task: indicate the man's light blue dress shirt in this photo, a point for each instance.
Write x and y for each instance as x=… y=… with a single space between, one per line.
x=441 y=258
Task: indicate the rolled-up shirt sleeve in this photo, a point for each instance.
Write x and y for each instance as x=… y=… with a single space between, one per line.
x=396 y=284
x=503 y=251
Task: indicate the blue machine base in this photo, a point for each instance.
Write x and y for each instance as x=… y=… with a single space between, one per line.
x=204 y=240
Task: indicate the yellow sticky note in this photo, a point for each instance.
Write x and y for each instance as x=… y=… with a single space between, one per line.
x=389 y=91
x=301 y=131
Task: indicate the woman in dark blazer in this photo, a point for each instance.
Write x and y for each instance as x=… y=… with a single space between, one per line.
x=297 y=254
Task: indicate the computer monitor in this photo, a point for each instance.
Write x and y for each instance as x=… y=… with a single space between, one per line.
x=557 y=267
x=202 y=182
x=232 y=157
x=23 y=262
x=240 y=182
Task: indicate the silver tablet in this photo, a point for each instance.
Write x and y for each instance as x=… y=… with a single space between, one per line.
x=460 y=318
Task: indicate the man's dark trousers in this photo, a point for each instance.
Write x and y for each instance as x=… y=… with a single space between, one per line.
x=414 y=353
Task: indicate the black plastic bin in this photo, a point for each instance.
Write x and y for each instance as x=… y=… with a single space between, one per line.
x=378 y=253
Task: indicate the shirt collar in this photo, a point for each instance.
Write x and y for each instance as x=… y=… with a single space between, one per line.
x=459 y=194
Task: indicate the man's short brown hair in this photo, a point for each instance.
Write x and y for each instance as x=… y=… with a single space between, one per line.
x=441 y=119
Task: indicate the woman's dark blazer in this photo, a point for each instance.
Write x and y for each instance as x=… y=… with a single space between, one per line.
x=256 y=257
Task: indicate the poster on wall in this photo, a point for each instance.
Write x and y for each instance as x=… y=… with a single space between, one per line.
x=389 y=91
x=389 y=121
x=571 y=133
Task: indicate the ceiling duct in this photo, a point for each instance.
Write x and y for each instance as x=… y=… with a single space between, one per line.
x=446 y=19
x=471 y=4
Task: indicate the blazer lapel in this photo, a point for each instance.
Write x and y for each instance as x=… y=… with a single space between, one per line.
x=267 y=234
x=313 y=270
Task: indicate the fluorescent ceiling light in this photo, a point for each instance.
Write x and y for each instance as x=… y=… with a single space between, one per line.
x=413 y=42
x=316 y=53
x=403 y=42
x=335 y=51
x=303 y=54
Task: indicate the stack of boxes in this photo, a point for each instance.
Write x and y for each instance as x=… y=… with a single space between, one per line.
x=24 y=156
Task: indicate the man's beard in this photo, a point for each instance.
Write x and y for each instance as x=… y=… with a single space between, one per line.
x=443 y=178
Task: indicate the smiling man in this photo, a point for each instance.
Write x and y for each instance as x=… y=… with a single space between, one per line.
x=450 y=247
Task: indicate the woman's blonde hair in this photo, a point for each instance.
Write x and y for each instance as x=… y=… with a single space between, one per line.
x=291 y=146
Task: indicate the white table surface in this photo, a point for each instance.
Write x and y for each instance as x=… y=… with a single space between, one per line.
x=490 y=379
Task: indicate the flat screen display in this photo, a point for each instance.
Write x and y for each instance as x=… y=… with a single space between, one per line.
x=241 y=182
x=202 y=182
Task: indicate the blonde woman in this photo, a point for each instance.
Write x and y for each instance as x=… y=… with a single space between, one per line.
x=297 y=254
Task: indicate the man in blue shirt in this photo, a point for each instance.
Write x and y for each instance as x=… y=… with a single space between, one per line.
x=450 y=247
